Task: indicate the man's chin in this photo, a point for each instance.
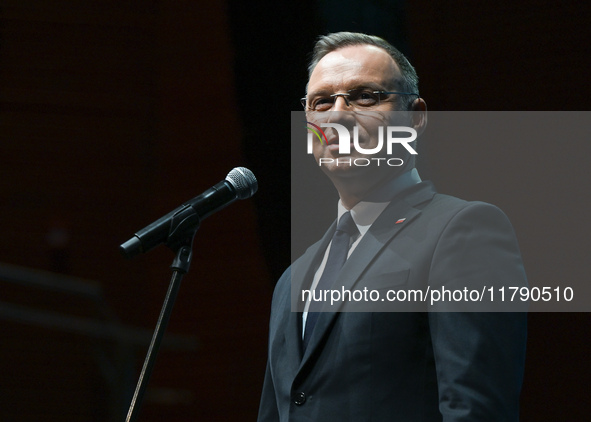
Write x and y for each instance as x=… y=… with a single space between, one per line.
x=342 y=166
x=352 y=167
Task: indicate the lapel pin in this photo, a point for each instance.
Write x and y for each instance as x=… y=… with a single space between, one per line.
x=400 y=221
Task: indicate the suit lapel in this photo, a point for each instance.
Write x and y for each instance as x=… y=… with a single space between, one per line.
x=380 y=233
x=302 y=273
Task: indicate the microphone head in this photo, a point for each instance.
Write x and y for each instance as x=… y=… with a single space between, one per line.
x=243 y=181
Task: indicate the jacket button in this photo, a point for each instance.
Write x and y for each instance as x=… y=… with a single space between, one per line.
x=299 y=398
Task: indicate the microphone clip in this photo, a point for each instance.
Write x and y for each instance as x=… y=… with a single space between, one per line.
x=183 y=226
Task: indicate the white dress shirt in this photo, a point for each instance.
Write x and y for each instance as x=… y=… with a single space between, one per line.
x=364 y=214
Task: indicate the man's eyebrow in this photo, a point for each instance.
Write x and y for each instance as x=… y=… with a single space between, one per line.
x=319 y=92
x=368 y=85
x=374 y=86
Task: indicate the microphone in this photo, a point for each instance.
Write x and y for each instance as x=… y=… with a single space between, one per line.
x=175 y=226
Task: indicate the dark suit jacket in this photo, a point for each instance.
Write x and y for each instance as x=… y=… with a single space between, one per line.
x=404 y=366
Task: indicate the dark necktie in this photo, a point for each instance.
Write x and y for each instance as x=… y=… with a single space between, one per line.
x=337 y=256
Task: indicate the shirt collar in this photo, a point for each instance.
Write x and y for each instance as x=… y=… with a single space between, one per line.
x=366 y=212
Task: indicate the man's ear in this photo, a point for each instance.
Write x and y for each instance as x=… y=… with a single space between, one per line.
x=419 y=115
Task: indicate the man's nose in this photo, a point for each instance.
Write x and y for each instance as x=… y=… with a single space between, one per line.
x=340 y=103
x=341 y=113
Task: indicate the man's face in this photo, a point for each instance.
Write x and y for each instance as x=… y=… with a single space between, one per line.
x=338 y=72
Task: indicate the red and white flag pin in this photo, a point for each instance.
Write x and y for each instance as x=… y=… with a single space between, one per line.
x=400 y=221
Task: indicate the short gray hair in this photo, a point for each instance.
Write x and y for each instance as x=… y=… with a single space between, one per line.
x=331 y=42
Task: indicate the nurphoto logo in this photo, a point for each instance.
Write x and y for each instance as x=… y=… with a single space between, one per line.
x=386 y=135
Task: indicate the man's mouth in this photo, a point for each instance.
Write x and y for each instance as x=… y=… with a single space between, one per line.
x=333 y=145
x=332 y=141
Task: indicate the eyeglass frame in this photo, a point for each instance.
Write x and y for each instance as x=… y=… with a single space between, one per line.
x=304 y=100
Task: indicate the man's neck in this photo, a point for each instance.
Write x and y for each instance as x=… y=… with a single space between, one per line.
x=350 y=195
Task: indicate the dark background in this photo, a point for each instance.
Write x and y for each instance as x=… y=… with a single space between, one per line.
x=113 y=113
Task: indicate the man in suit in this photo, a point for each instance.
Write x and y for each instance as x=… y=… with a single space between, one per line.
x=329 y=362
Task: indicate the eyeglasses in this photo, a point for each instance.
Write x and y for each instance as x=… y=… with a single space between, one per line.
x=360 y=98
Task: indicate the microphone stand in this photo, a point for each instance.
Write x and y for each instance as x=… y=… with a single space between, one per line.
x=180 y=266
